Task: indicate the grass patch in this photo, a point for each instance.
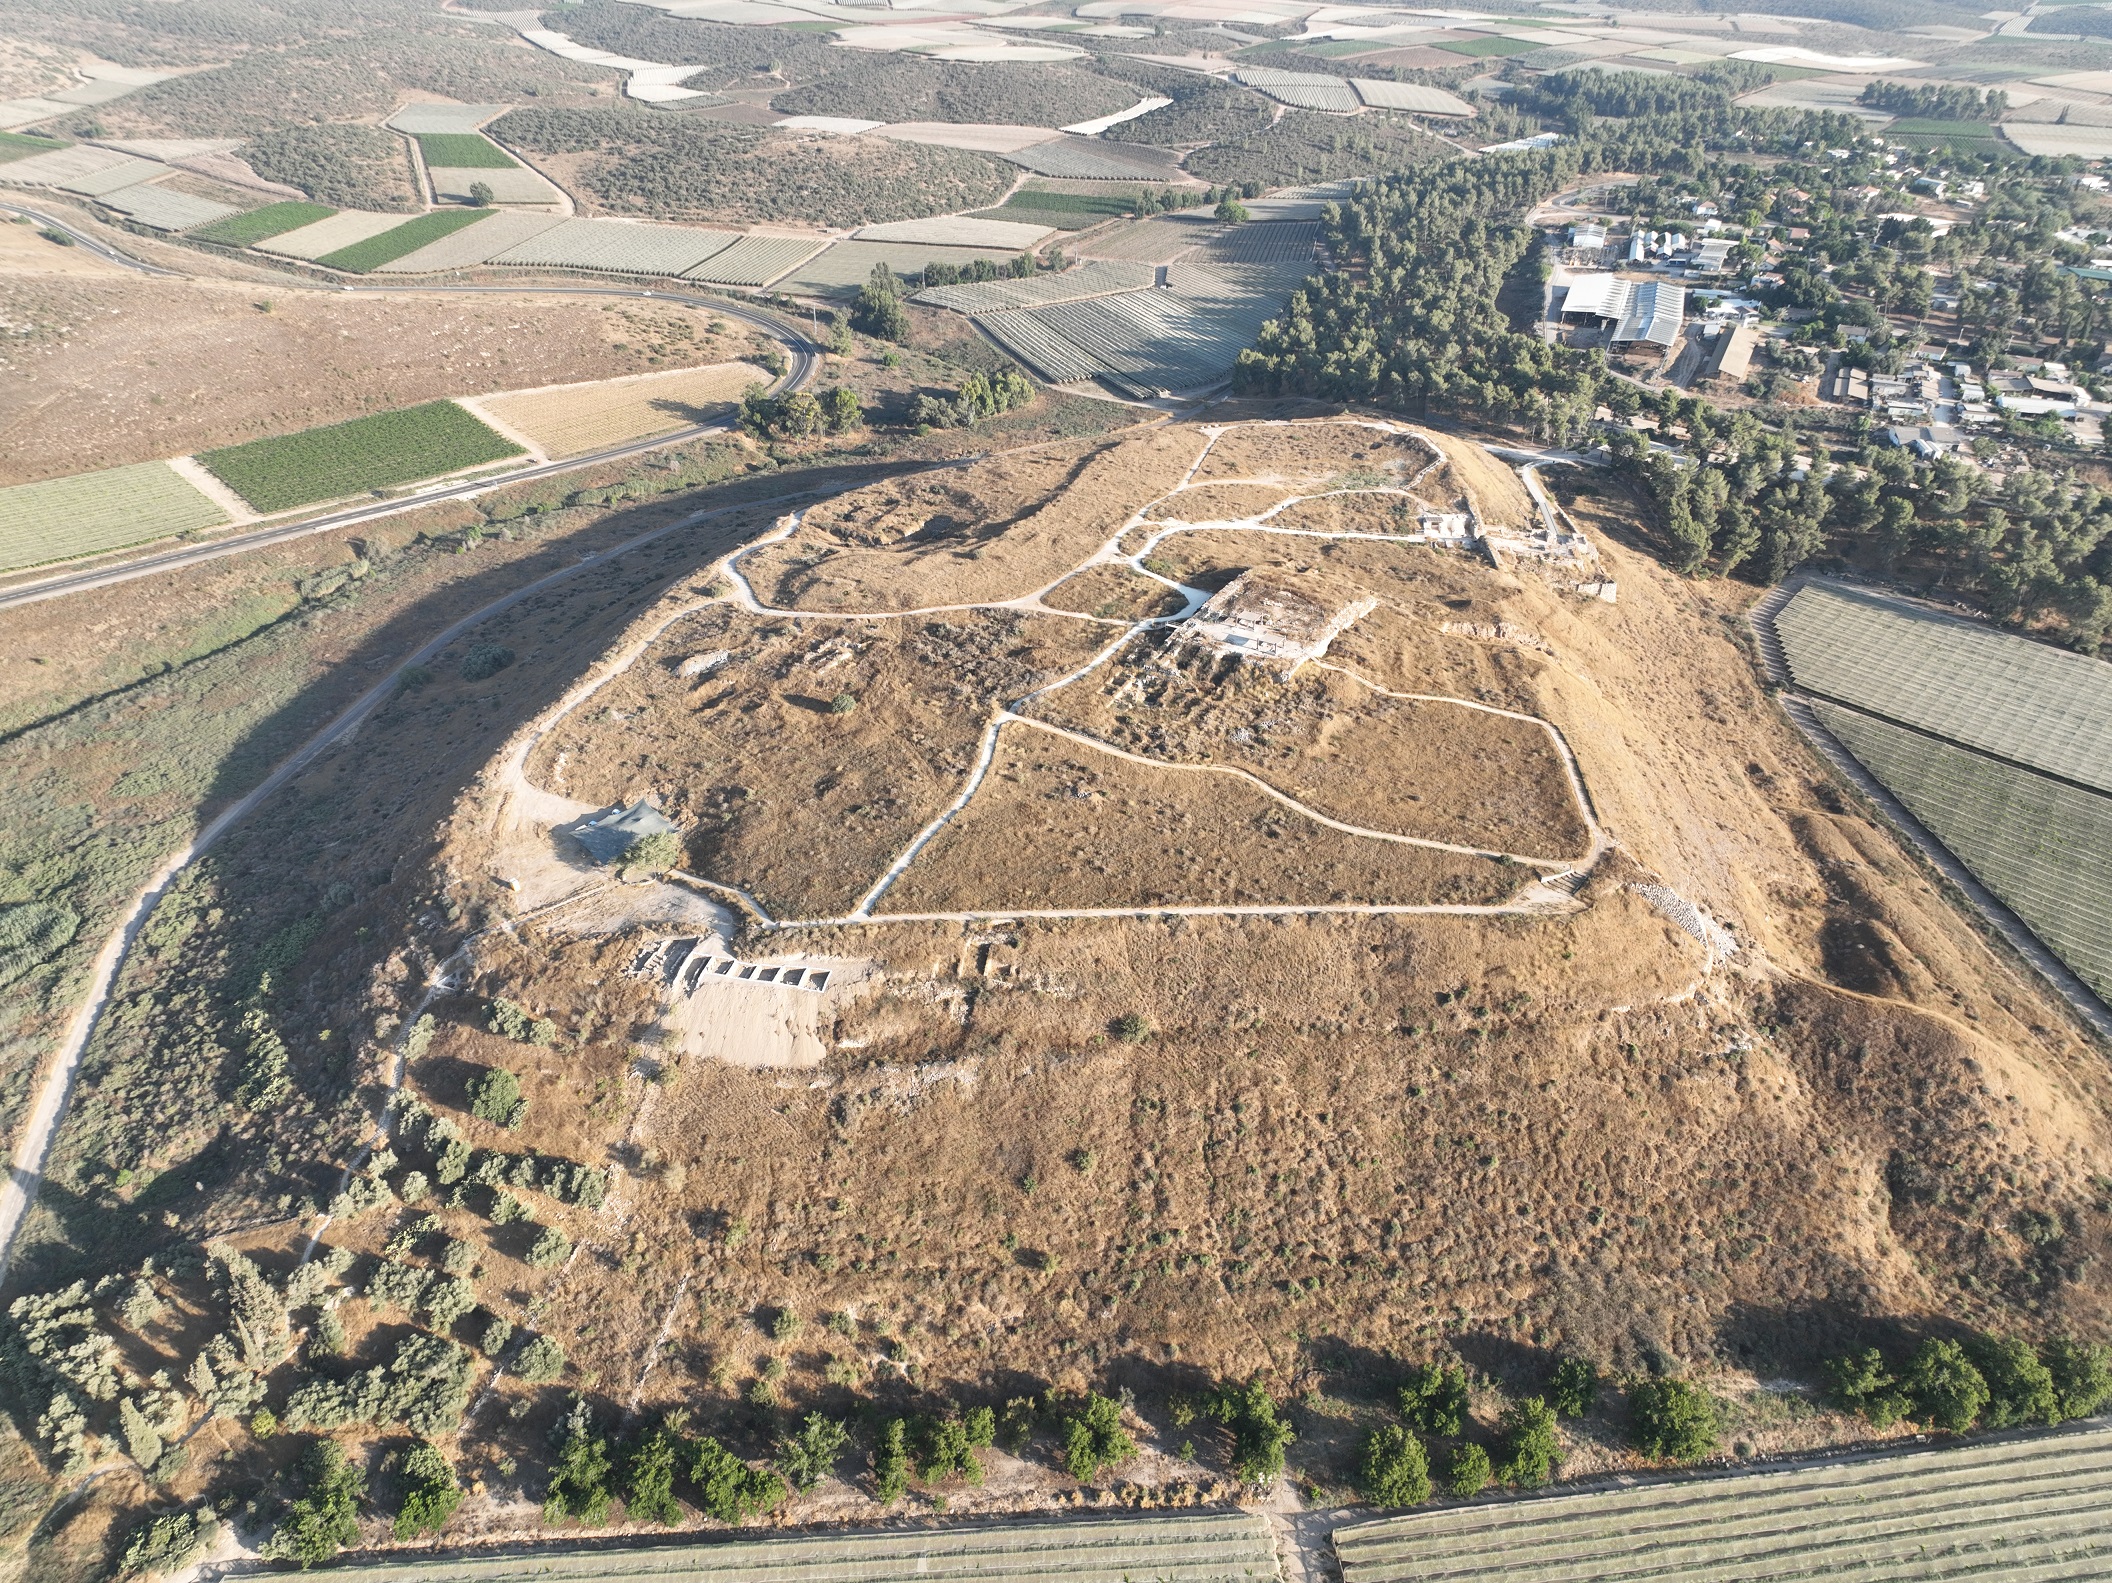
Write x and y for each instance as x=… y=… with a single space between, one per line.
x=399 y=447
x=1479 y=47
x=20 y=145
x=1967 y=131
x=405 y=239
x=261 y=225
x=464 y=151
x=1100 y=205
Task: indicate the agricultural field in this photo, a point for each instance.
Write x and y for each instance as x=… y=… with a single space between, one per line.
x=133 y=382
x=2025 y=1508
x=168 y=208
x=486 y=240
x=620 y=247
x=518 y=185
x=340 y=229
x=1143 y=341
x=1222 y=1547
x=1301 y=90
x=462 y=150
x=2005 y=696
x=261 y=225
x=2042 y=846
x=90 y=512
x=574 y=419
x=1083 y=158
x=386 y=247
x=19 y=145
x=377 y=452
x=755 y=260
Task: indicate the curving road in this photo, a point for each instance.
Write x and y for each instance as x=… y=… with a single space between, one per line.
x=19 y=1191
x=802 y=357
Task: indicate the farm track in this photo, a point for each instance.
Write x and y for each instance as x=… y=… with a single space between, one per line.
x=1109 y=553
x=803 y=359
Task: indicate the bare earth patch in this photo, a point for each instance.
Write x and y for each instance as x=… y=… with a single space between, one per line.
x=1103 y=486
x=1107 y=832
x=801 y=806
x=129 y=370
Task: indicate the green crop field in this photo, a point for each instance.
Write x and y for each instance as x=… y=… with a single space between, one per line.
x=464 y=151
x=1930 y=134
x=261 y=225
x=19 y=145
x=1965 y=681
x=1222 y=1547
x=90 y=512
x=2042 y=846
x=403 y=241
x=386 y=449
x=1488 y=46
x=2030 y=1508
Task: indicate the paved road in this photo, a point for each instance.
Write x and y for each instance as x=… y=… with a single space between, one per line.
x=803 y=358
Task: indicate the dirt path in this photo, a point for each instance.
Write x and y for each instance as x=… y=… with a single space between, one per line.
x=49 y=1108
x=745 y=597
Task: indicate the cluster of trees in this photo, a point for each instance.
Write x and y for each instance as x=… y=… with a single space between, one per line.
x=346 y=166
x=688 y=166
x=1993 y=1382
x=1951 y=101
x=801 y=415
x=974 y=272
x=1671 y=1420
x=980 y=396
x=878 y=310
x=1416 y=326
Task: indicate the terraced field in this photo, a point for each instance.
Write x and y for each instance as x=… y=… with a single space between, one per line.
x=2023 y=1509
x=1222 y=1547
x=80 y=515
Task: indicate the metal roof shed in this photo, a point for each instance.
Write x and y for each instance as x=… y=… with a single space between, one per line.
x=1655 y=314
